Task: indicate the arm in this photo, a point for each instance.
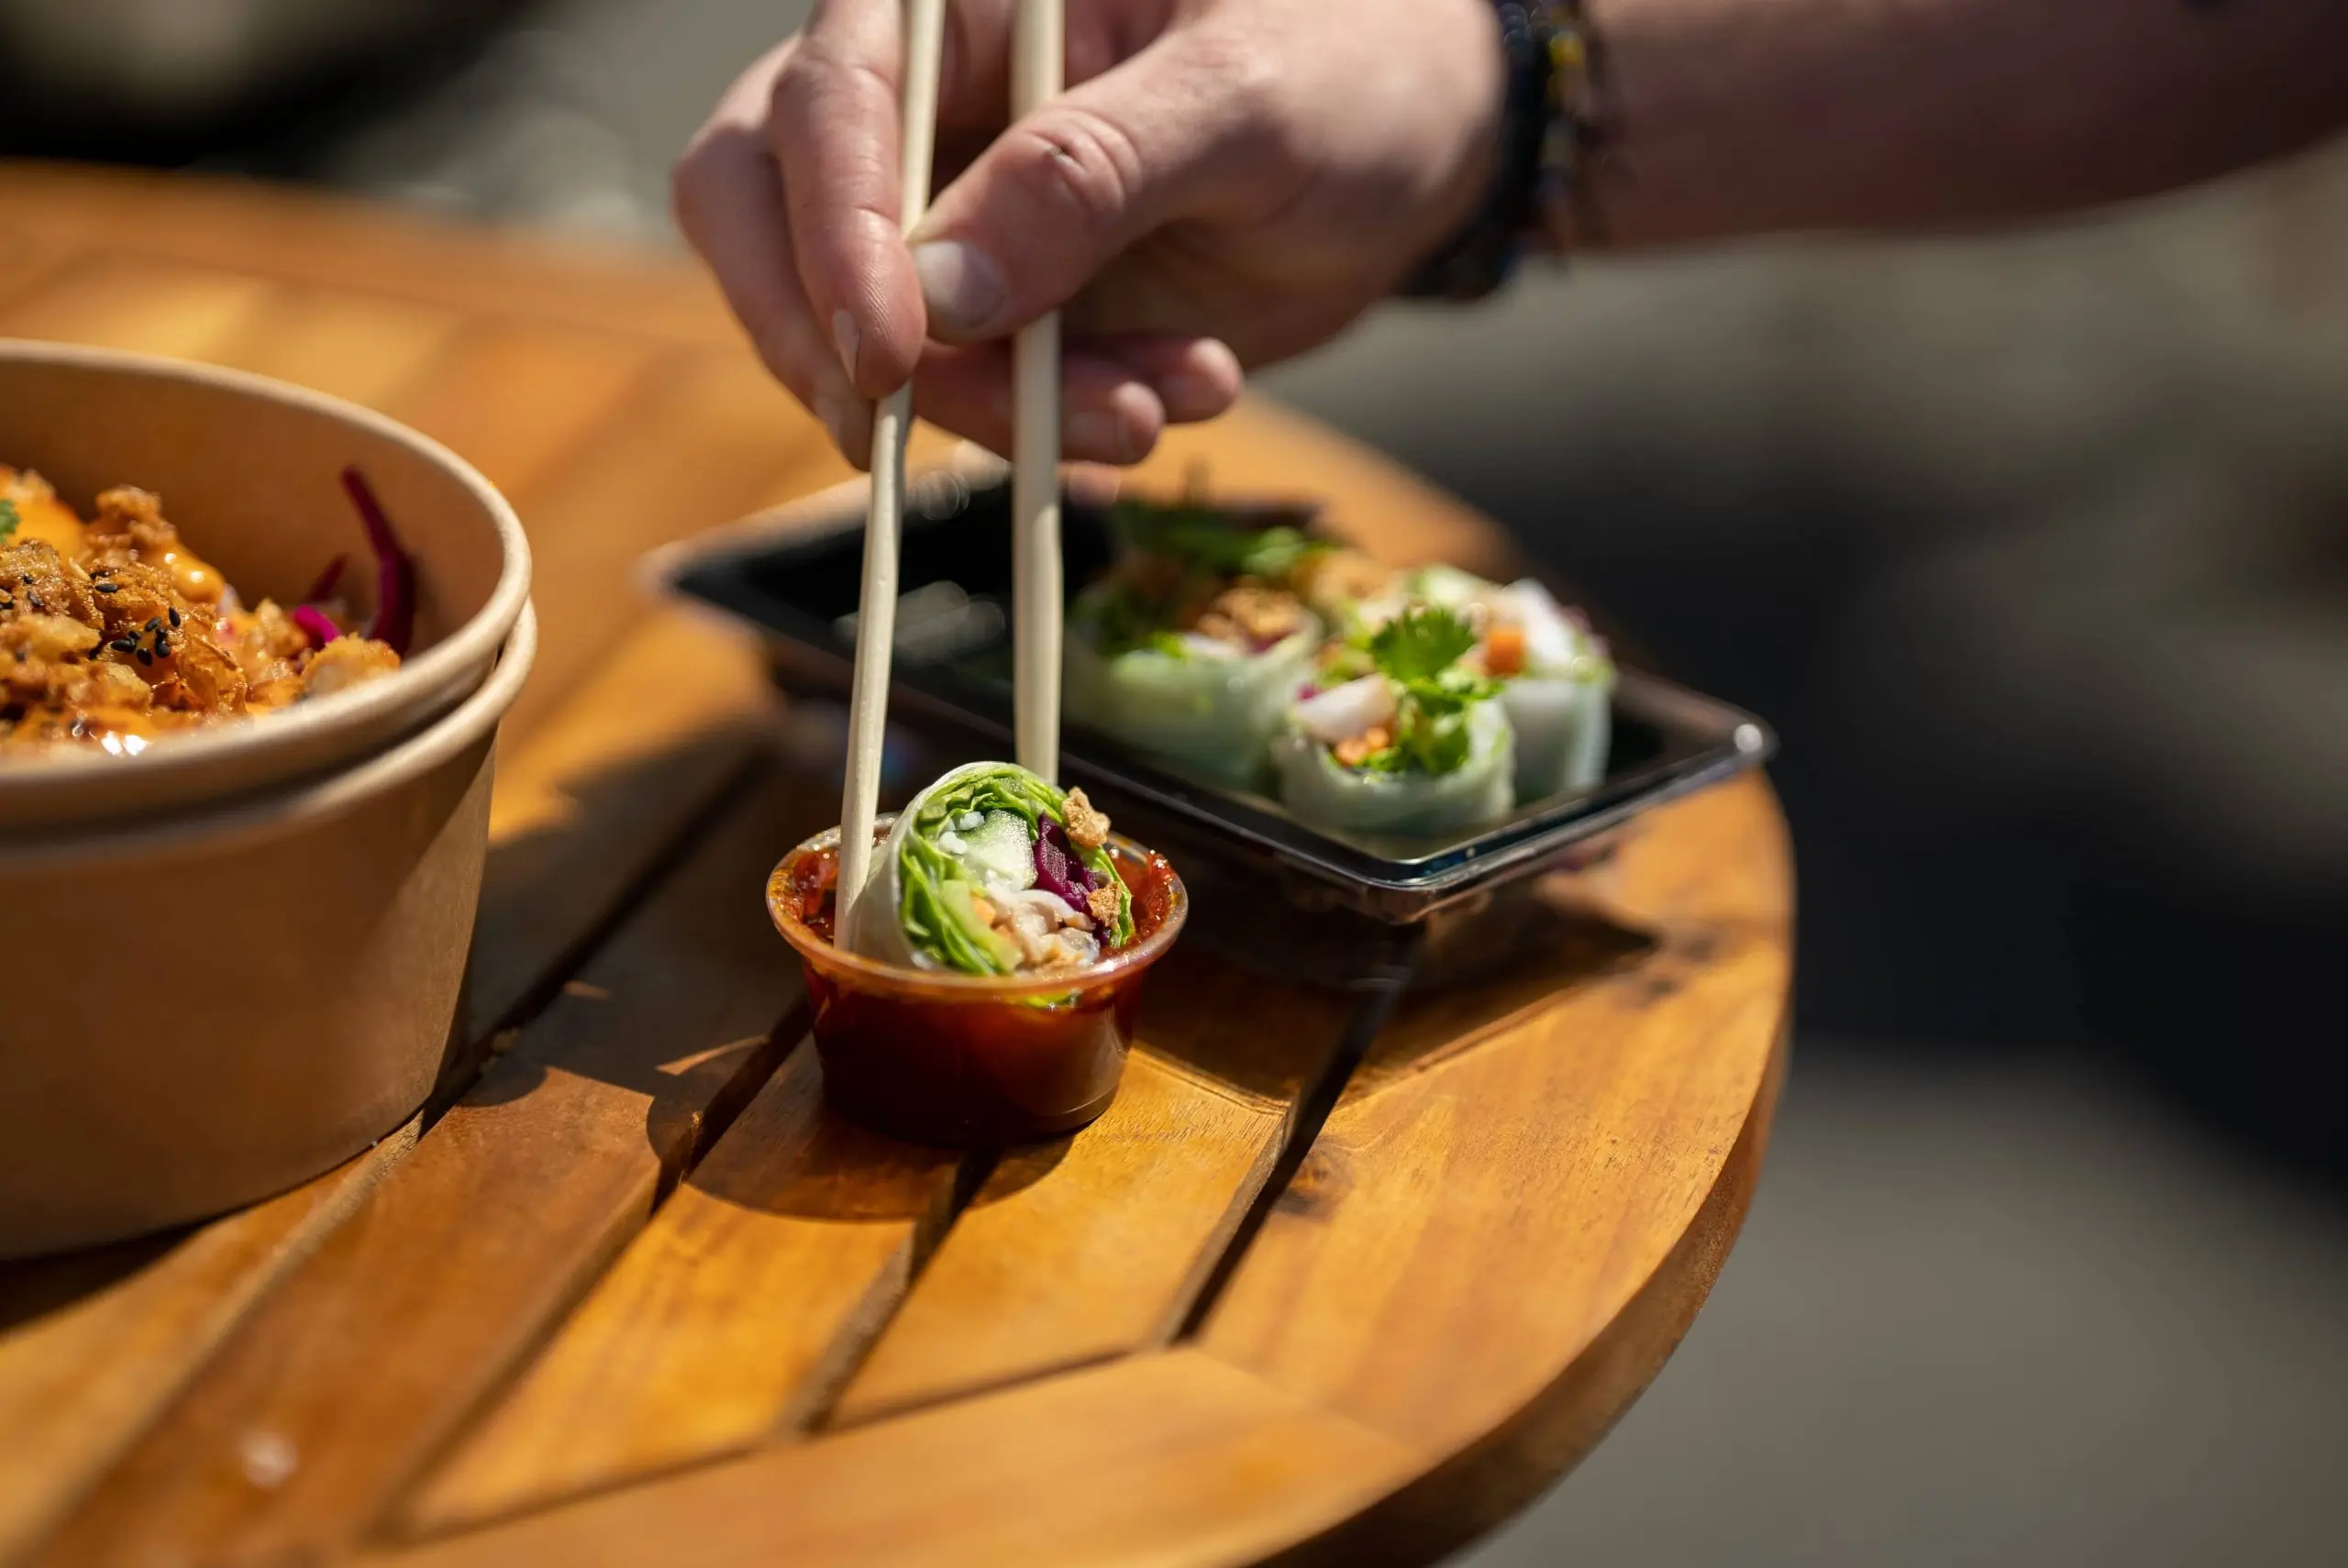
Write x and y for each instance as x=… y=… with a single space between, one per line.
x=1228 y=182
x=1739 y=116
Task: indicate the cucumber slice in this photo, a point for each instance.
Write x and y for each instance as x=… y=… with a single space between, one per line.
x=999 y=851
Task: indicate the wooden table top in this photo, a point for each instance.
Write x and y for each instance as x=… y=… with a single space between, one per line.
x=627 y=1293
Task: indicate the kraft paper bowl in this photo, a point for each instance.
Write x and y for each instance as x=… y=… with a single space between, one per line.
x=208 y=1008
x=251 y=470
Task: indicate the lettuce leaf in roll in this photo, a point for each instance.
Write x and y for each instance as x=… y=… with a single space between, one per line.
x=1192 y=646
x=993 y=871
x=1211 y=704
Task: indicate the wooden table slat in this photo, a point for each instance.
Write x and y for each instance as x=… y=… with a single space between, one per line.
x=1094 y=1246
x=1170 y=1458
x=352 y=345
x=582 y=809
x=1460 y=1233
x=122 y=302
x=284 y=233
x=93 y=1344
x=592 y=515
x=517 y=398
x=597 y=796
x=730 y=1320
x=363 y=1363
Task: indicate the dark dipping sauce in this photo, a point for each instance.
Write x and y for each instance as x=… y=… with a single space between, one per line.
x=927 y=1056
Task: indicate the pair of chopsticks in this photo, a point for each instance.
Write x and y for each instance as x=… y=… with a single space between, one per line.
x=1038 y=51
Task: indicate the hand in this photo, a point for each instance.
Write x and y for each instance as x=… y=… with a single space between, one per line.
x=1225 y=181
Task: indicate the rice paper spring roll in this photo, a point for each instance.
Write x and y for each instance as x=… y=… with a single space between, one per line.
x=1557 y=683
x=1418 y=744
x=993 y=871
x=1192 y=645
x=1209 y=704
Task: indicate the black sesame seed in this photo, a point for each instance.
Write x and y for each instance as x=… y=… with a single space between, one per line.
x=122 y=644
x=175 y=619
x=146 y=657
x=109 y=587
x=153 y=622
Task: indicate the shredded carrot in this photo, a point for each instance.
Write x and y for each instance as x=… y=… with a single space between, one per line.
x=1504 y=651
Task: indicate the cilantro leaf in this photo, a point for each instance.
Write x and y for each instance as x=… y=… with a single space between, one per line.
x=1421 y=643
x=8 y=518
x=1419 y=652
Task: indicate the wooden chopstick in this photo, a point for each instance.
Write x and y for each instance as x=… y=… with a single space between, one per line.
x=1037 y=70
x=876 y=623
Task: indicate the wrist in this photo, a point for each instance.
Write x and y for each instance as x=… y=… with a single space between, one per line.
x=1548 y=131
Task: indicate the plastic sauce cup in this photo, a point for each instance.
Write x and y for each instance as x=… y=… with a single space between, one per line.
x=941 y=1057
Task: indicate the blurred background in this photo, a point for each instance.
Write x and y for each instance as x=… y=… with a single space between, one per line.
x=2035 y=549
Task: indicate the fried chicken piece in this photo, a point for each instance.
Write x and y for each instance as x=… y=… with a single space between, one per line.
x=120 y=634
x=1088 y=826
x=347 y=662
x=135 y=600
x=54 y=672
x=39 y=514
x=34 y=641
x=264 y=641
x=35 y=580
x=1252 y=613
x=1100 y=903
x=200 y=676
x=130 y=526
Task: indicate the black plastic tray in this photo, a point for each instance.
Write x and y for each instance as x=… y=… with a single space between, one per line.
x=794 y=573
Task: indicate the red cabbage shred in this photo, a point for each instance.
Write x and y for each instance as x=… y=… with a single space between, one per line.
x=1058 y=871
x=395 y=622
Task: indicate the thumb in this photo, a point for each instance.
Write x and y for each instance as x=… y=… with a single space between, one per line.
x=1061 y=193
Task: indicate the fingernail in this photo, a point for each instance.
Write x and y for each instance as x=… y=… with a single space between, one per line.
x=1097 y=435
x=962 y=288
x=844 y=333
x=1187 y=395
x=834 y=417
x=1201 y=389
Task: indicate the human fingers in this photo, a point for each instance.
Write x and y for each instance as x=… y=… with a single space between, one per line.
x=1181 y=126
x=729 y=204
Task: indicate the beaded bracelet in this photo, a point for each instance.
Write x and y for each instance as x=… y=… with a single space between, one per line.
x=1552 y=132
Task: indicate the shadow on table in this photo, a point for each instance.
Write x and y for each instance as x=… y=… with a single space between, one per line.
x=1253 y=1031
x=32 y=1288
